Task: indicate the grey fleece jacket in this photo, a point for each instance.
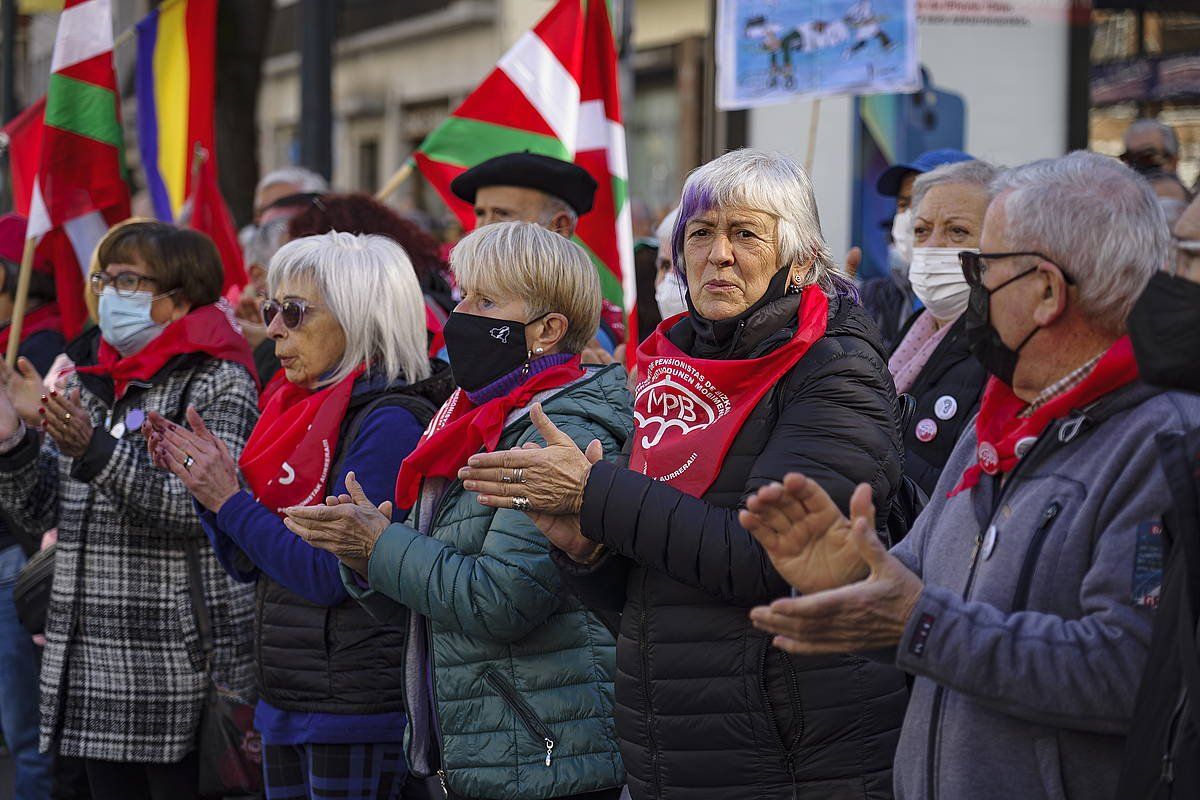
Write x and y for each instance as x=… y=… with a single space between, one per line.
x=1028 y=645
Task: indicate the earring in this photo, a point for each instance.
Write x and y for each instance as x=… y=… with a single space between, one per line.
x=794 y=286
x=538 y=351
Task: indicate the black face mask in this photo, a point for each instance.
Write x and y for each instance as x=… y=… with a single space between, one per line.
x=483 y=349
x=984 y=340
x=1164 y=326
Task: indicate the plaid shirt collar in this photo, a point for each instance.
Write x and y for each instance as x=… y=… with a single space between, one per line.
x=1061 y=386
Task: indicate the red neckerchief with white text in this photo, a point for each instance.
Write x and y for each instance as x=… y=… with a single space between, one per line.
x=461 y=429
x=687 y=410
x=1001 y=433
x=290 y=452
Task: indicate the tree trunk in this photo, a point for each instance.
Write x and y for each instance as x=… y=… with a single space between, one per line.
x=242 y=28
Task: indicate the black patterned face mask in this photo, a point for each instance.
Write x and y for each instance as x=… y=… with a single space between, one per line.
x=1164 y=326
x=483 y=349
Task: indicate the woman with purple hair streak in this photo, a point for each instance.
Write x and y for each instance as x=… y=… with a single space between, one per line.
x=775 y=369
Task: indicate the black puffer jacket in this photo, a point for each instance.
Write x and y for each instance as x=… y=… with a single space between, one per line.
x=947 y=394
x=707 y=709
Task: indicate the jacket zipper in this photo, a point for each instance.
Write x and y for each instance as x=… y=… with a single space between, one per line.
x=1167 y=775
x=772 y=719
x=1025 y=580
x=522 y=709
x=643 y=648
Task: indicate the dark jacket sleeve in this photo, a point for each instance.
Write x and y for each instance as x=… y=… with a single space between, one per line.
x=42 y=348
x=836 y=425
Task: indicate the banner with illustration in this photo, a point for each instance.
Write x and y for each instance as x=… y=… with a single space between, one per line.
x=777 y=51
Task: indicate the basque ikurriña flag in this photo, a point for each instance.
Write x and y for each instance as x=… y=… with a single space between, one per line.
x=554 y=93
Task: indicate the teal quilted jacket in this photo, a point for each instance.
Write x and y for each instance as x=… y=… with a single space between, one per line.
x=522 y=673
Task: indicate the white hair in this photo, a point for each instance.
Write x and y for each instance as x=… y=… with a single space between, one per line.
x=264 y=242
x=304 y=179
x=773 y=184
x=665 y=228
x=368 y=284
x=971 y=173
x=1170 y=139
x=1094 y=217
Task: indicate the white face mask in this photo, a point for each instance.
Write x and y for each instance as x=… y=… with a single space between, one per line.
x=669 y=295
x=902 y=233
x=938 y=282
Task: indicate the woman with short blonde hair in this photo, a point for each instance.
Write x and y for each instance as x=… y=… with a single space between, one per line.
x=521 y=704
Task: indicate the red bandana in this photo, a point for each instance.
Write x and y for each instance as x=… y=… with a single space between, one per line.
x=1004 y=438
x=290 y=452
x=208 y=329
x=688 y=410
x=460 y=430
x=42 y=318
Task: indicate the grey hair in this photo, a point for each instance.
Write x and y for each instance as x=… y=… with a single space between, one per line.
x=771 y=183
x=265 y=241
x=665 y=228
x=972 y=173
x=304 y=179
x=1094 y=217
x=552 y=207
x=368 y=284
x=1169 y=137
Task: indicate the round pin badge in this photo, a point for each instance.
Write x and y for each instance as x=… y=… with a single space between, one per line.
x=989 y=458
x=989 y=542
x=135 y=418
x=1024 y=445
x=927 y=430
x=946 y=407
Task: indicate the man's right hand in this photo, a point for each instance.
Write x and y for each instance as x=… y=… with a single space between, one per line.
x=805 y=534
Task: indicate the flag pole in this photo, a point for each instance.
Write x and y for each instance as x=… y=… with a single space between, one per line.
x=395 y=181
x=22 y=300
x=812 y=136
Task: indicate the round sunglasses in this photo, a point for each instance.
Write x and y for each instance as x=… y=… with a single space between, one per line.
x=293 y=312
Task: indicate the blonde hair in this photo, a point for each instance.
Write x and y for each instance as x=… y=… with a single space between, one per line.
x=550 y=273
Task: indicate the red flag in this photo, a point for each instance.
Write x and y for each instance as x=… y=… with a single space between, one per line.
x=209 y=215
x=24 y=137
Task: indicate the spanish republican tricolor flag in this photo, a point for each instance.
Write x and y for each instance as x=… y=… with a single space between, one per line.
x=80 y=188
x=554 y=93
x=174 y=79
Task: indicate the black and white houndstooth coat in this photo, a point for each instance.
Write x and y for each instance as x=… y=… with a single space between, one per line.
x=123 y=675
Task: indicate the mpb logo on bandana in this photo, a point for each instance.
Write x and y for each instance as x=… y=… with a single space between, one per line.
x=687 y=411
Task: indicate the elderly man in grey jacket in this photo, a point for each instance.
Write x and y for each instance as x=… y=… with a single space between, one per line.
x=1022 y=600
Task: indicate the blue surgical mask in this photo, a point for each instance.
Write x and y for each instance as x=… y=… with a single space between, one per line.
x=125 y=322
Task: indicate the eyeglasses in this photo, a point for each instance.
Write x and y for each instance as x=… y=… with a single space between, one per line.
x=974 y=265
x=127 y=284
x=293 y=312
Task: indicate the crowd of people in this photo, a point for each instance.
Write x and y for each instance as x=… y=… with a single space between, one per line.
x=932 y=535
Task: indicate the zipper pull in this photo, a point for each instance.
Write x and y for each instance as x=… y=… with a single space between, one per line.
x=441 y=773
x=1168 y=769
x=549 y=750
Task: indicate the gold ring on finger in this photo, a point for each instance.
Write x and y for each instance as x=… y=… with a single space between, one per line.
x=67 y=417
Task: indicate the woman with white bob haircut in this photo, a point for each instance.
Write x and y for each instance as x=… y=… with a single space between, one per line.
x=347 y=317
x=519 y=702
x=775 y=369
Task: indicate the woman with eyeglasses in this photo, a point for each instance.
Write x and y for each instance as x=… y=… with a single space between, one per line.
x=346 y=315
x=124 y=674
x=932 y=363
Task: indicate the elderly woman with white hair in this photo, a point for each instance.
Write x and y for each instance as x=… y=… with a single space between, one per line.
x=347 y=318
x=775 y=369
x=510 y=676
x=933 y=362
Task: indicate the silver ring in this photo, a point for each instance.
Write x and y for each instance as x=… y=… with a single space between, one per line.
x=519 y=475
x=188 y=461
x=505 y=478
x=521 y=503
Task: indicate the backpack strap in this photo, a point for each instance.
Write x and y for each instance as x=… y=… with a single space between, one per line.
x=199 y=607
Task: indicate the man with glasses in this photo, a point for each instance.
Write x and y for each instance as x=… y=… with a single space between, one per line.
x=1022 y=601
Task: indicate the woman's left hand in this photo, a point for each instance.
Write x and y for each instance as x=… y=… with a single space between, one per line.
x=67 y=422
x=197 y=457
x=347 y=526
x=551 y=479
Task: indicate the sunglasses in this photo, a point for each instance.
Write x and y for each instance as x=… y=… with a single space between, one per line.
x=974 y=265
x=293 y=312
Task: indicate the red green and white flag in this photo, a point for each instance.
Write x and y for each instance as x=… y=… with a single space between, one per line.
x=80 y=188
x=554 y=93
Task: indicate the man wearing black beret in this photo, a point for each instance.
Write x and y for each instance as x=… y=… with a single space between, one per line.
x=527 y=187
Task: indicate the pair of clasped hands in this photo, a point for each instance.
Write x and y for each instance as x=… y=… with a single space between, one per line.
x=58 y=413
